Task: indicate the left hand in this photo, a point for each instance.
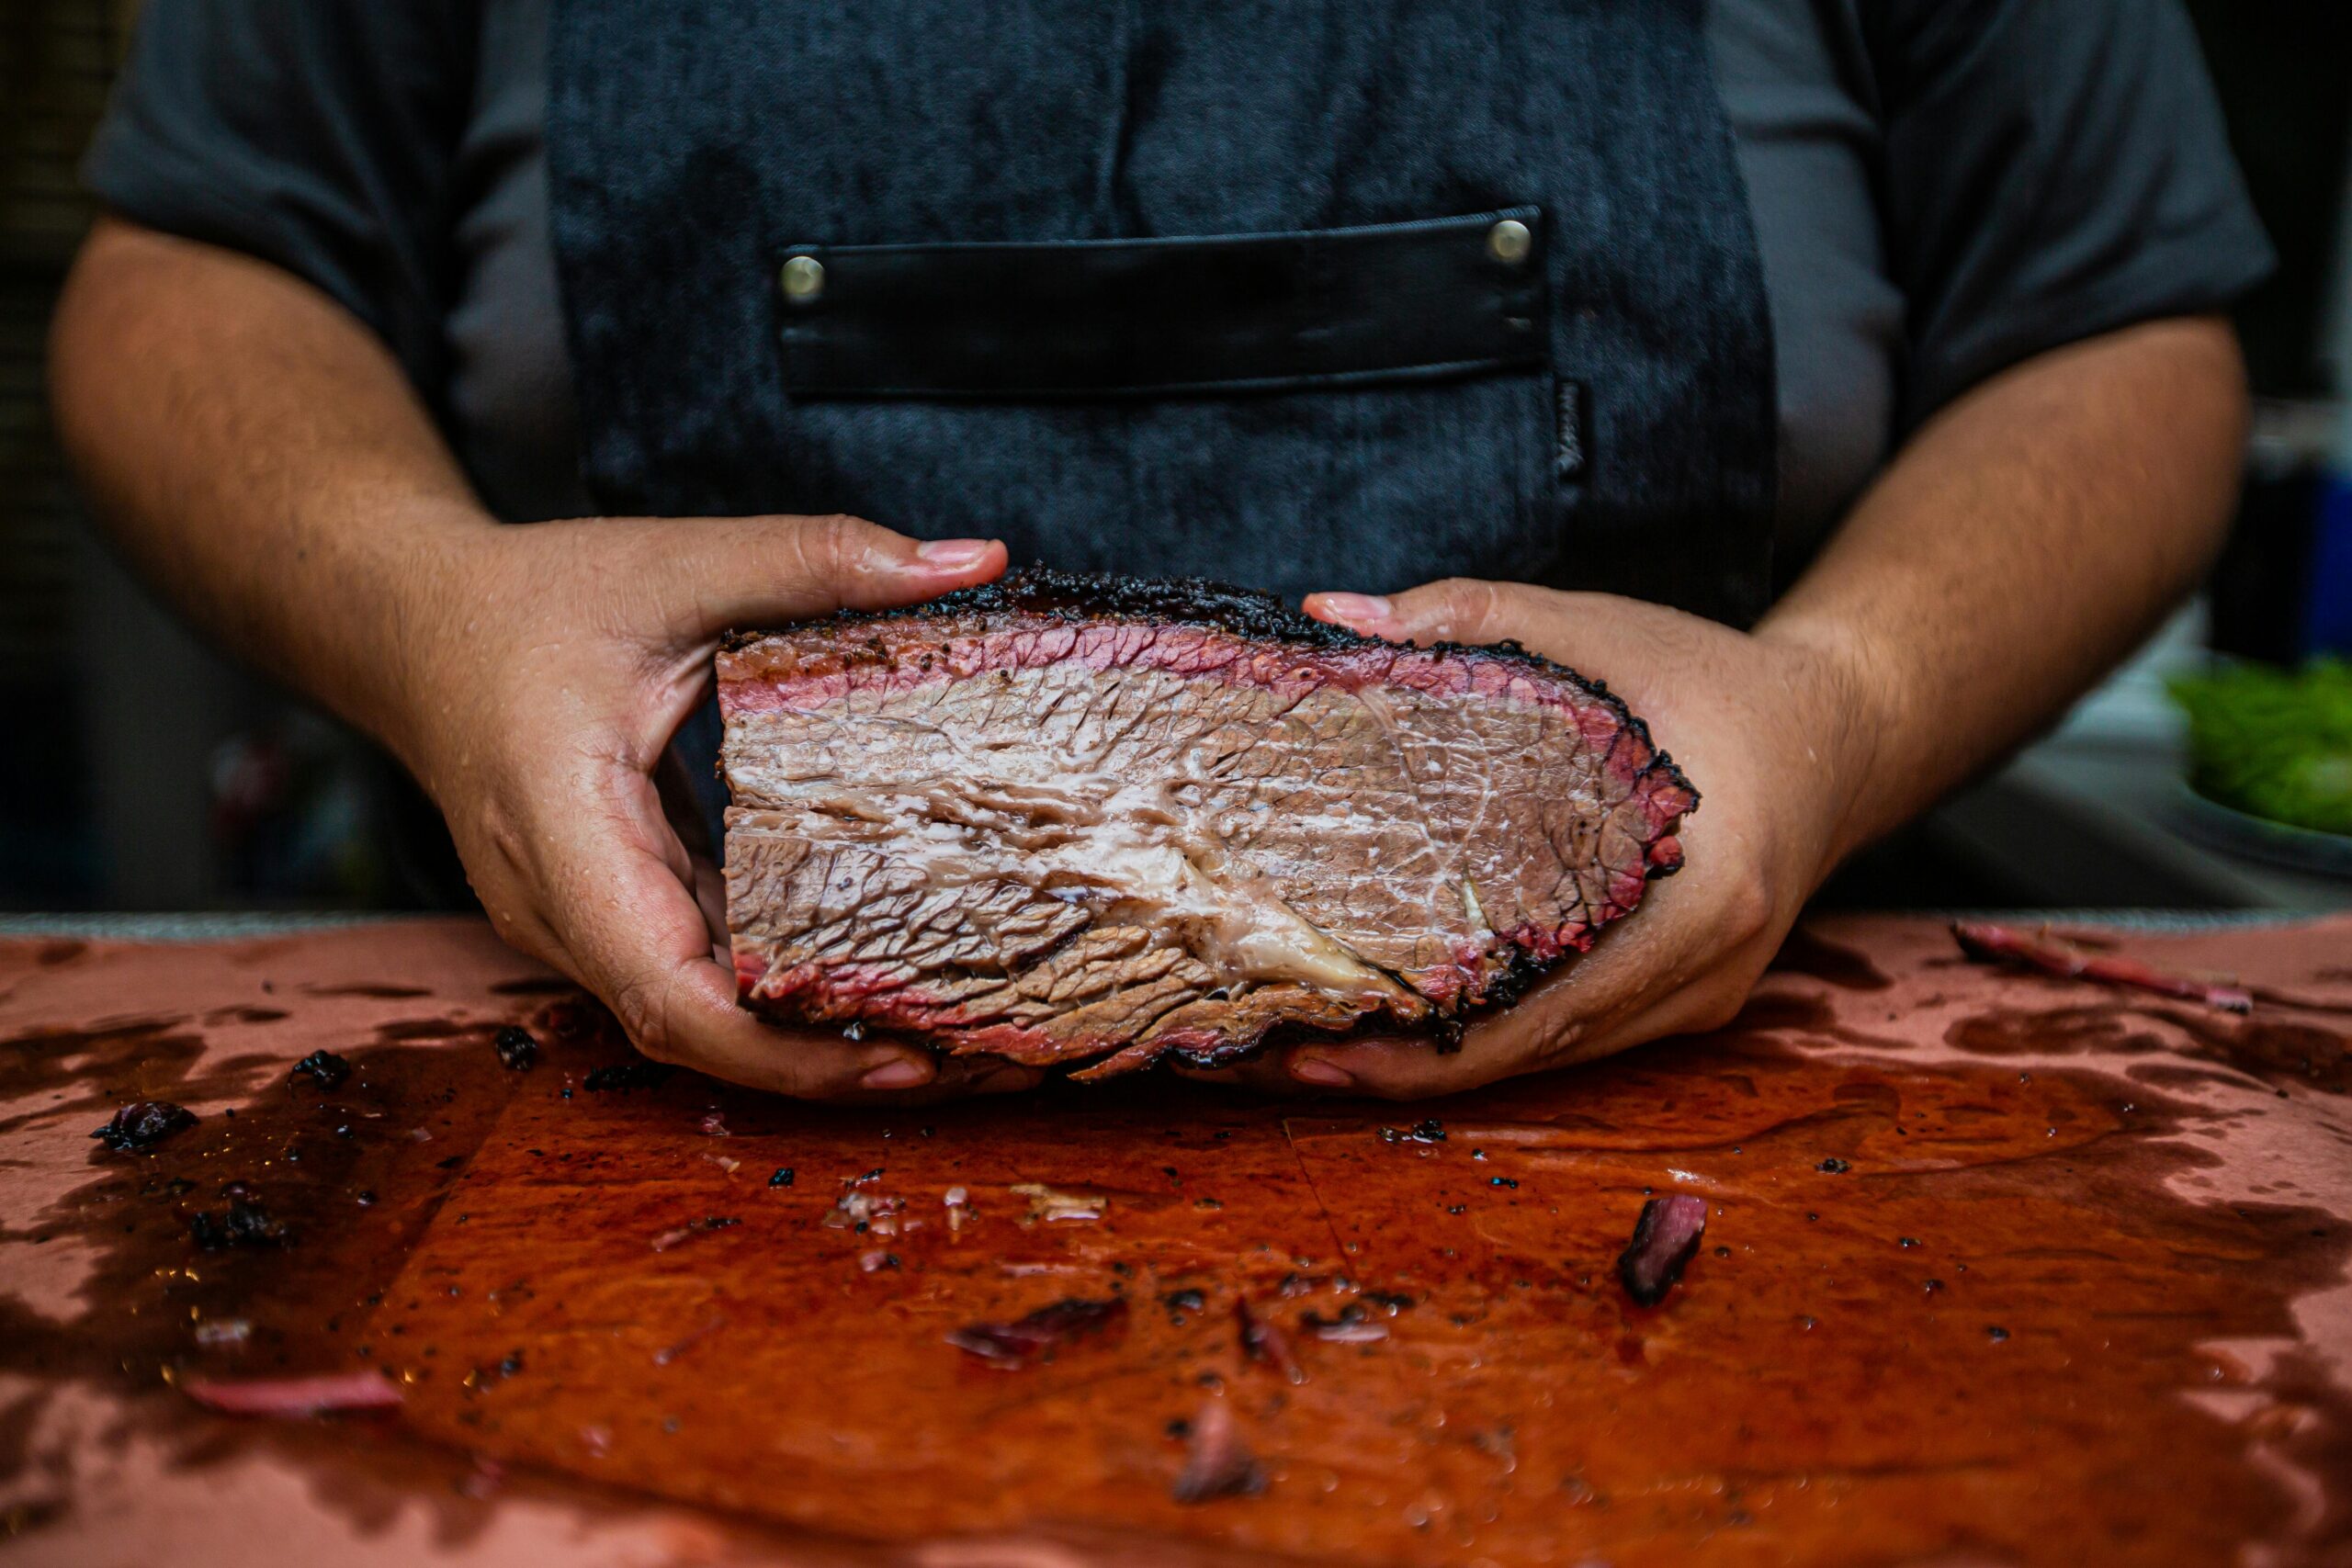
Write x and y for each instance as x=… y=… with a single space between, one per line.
x=1776 y=735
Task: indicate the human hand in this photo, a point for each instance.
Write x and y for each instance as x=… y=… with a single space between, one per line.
x=1774 y=731
x=547 y=668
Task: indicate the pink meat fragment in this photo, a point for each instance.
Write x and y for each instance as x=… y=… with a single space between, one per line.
x=1664 y=1241
x=1262 y=1341
x=1015 y=1344
x=292 y=1397
x=1217 y=1463
x=1990 y=943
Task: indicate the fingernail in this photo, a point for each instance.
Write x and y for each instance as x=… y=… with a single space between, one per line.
x=901 y=1073
x=953 y=554
x=1320 y=1070
x=1353 y=608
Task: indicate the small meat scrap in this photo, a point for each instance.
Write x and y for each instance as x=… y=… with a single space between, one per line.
x=1049 y=1204
x=517 y=1051
x=1262 y=1341
x=1664 y=1240
x=322 y=1067
x=1217 y=1463
x=139 y=1126
x=626 y=1075
x=1350 y=1326
x=243 y=1224
x=289 y=1397
x=670 y=1353
x=687 y=1233
x=857 y=1210
x=1012 y=1345
x=1990 y=943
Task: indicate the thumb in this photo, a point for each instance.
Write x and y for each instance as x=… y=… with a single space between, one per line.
x=748 y=571
x=1458 y=609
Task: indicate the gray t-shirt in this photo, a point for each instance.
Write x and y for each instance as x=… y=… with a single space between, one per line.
x=1940 y=189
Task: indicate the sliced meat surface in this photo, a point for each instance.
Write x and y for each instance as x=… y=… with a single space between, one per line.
x=1088 y=821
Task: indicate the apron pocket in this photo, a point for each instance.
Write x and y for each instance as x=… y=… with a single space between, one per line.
x=1385 y=303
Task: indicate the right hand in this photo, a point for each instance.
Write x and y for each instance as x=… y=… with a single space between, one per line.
x=544 y=670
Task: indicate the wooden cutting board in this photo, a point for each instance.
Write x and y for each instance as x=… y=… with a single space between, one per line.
x=1997 y=1268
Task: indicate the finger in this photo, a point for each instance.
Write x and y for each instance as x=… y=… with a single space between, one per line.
x=957 y=1078
x=1634 y=985
x=746 y=571
x=1458 y=609
x=638 y=938
x=1262 y=1072
x=694 y=859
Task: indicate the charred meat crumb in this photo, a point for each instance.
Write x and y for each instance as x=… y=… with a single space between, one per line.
x=1012 y=1345
x=684 y=1233
x=783 y=1176
x=518 y=1052
x=322 y=1067
x=1665 y=1239
x=139 y=1126
x=1833 y=1165
x=243 y=1224
x=1432 y=1131
x=626 y=1075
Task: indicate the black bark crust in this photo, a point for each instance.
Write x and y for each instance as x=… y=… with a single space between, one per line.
x=1048 y=592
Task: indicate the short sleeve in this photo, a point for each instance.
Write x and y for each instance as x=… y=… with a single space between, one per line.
x=318 y=136
x=2054 y=169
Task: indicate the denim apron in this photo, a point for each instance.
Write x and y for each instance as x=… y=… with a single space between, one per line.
x=1298 y=294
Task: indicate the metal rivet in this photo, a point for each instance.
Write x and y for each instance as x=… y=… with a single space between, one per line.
x=1508 y=242
x=804 y=279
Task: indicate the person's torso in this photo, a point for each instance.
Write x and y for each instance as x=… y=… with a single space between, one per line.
x=1368 y=477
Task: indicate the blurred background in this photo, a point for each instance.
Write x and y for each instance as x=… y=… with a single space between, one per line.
x=138 y=771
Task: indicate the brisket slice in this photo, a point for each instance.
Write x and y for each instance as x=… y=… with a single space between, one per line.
x=1090 y=821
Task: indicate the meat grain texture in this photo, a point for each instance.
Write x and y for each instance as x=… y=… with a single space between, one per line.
x=1090 y=822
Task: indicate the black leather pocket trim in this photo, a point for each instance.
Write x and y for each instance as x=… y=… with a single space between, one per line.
x=1091 y=318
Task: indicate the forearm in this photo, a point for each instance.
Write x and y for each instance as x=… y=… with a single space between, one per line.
x=262 y=459
x=2023 y=541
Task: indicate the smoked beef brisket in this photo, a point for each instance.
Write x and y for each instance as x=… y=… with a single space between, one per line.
x=1088 y=821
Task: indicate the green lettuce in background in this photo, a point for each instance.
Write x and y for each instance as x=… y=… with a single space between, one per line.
x=2272 y=742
